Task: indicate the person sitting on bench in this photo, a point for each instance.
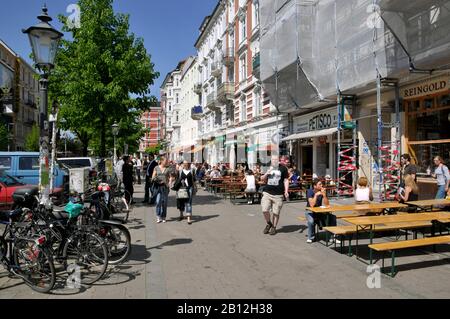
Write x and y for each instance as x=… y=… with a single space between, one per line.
x=316 y=197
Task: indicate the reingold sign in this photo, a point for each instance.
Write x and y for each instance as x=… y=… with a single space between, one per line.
x=426 y=88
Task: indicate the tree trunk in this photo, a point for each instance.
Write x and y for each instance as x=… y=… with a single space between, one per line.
x=102 y=135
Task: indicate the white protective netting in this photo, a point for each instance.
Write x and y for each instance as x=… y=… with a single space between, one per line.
x=312 y=49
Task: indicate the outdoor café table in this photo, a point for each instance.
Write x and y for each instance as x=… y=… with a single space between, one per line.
x=427 y=205
x=356 y=207
x=368 y=223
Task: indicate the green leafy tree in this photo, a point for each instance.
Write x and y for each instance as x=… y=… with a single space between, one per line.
x=3 y=137
x=154 y=149
x=102 y=75
x=32 y=140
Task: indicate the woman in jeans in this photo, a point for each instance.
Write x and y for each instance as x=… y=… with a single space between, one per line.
x=162 y=180
x=186 y=180
x=443 y=177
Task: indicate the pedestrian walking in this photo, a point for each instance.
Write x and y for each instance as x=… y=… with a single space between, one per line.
x=138 y=170
x=272 y=199
x=127 y=173
x=149 y=197
x=162 y=179
x=442 y=175
x=407 y=169
x=186 y=189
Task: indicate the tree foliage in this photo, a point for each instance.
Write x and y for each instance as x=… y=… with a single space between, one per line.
x=3 y=136
x=154 y=149
x=102 y=75
x=32 y=140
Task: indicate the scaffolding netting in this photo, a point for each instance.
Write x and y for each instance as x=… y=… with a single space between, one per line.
x=312 y=49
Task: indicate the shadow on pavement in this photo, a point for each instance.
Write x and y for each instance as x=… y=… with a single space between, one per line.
x=173 y=242
x=198 y=219
x=114 y=277
x=417 y=265
x=292 y=229
x=139 y=253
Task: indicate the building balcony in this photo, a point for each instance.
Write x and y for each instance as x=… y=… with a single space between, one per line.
x=225 y=92
x=257 y=65
x=211 y=102
x=228 y=57
x=176 y=124
x=216 y=69
x=198 y=89
x=197 y=113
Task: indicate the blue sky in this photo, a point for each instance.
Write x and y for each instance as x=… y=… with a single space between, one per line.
x=169 y=27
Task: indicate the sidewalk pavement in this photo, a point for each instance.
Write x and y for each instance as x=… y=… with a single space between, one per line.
x=224 y=254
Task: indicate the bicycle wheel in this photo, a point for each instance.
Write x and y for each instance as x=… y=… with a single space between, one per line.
x=34 y=264
x=88 y=253
x=118 y=240
x=120 y=206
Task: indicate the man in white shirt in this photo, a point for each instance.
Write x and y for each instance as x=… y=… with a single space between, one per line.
x=215 y=173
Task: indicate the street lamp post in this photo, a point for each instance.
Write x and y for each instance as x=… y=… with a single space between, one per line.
x=53 y=119
x=115 y=131
x=44 y=40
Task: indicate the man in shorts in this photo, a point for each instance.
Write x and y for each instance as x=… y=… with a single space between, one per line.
x=277 y=178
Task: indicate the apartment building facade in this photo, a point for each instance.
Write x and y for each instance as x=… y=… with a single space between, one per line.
x=152 y=121
x=19 y=96
x=171 y=95
x=238 y=120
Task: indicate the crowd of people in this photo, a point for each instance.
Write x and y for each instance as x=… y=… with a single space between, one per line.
x=273 y=183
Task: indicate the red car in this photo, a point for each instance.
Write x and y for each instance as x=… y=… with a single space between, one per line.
x=8 y=185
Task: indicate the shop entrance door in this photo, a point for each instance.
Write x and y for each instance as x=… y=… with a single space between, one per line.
x=307 y=160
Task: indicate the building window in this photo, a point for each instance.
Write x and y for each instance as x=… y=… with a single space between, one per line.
x=177 y=98
x=425 y=142
x=170 y=106
x=243 y=68
x=243 y=24
x=255 y=8
x=170 y=92
x=243 y=108
x=257 y=103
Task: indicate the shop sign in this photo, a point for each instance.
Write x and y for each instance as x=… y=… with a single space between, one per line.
x=426 y=88
x=316 y=121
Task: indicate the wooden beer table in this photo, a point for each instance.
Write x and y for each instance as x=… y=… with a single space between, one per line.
x=368 y=224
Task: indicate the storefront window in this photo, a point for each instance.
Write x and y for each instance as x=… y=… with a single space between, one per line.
x=428 y=130
x=424 y=154
x=429 y=125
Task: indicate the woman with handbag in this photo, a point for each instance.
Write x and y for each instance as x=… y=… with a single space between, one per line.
x=162 y=179
x=186 y=189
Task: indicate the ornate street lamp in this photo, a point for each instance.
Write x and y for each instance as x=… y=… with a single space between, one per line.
x=115 y=131
x=44 y=40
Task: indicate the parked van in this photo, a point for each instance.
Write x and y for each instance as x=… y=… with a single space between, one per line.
x=25 y=167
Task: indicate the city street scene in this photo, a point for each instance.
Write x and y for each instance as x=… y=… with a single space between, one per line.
x=225 y=149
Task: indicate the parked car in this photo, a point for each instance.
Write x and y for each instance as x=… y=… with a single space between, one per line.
x=80 y=162
x=8 y=186
x=24 y=166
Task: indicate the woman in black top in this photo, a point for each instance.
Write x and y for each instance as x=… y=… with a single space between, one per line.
x=127 y=171
x=186 y=180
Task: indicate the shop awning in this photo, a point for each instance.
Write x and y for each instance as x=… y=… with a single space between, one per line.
x=310 y=134
x=197 y=149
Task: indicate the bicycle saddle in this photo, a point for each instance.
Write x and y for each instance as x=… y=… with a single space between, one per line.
x=59 y=212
